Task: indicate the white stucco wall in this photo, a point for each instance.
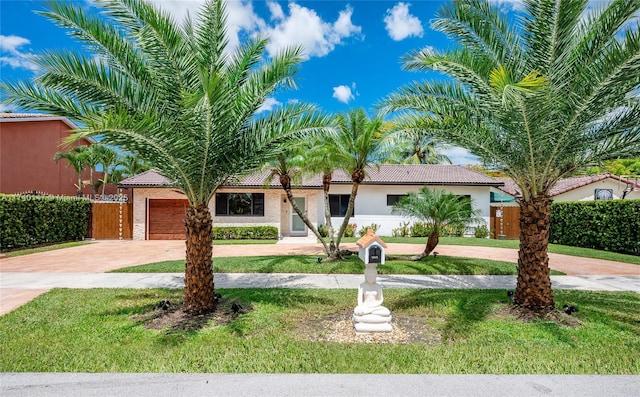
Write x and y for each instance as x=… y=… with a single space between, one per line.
x=276 y=212
x=371 y=204
x=586 y=193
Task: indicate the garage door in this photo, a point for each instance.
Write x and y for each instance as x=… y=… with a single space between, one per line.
x=166 y=219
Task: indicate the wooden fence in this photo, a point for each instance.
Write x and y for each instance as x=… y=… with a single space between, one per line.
x=111 y=221
x=505 y=222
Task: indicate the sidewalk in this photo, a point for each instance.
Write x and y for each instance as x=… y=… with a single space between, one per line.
x=23 y=278
x=315 y=385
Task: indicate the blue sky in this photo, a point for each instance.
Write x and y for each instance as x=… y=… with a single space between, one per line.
x=353 y=49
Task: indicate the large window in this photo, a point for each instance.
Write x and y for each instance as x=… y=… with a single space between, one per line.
x=240 y=204
x=338 y=204
x=392 y=199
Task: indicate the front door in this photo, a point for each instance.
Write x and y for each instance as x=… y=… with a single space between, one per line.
x=297 y=225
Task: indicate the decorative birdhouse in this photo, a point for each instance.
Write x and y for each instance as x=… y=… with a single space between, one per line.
x=371 y=248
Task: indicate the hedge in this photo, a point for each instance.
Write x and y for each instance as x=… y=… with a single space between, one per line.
x=604 y=225
x=245 y=232
x=30 y=220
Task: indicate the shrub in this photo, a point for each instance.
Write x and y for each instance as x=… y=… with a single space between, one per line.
x=481 y=231
x=364 y=229
x=402 y=231
x=245 y=233
x=350 y=230
x=30 y=220
x=421 y=229
x=454 y=230
x=605 y=225
x=323 y=230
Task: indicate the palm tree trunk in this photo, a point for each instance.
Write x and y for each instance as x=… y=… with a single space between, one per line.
x=326 y=185
x=198 y=278
x=352 y=199
x=285 y=181
x=432 y=243
x=533 y=290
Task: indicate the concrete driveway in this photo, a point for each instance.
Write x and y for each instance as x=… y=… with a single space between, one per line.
x=104 y=255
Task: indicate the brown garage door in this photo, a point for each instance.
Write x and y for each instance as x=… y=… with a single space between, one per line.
x=166 y=219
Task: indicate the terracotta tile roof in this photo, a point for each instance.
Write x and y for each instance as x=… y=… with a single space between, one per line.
x=387 y=174
x=150 y=178
x=566 y=184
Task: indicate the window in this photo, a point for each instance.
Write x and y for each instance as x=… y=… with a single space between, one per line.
x=603 y=194
x=338 y=204
x=240 y=204
x=393 y=199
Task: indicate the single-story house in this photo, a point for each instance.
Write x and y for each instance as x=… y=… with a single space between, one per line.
x=158 y=208
x=577 y=188
x=505 y=212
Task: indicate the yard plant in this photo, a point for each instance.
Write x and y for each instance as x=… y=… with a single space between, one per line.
x=537 y=99
x=176 y=95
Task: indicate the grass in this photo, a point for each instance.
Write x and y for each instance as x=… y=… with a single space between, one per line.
x=309 y=264
x=97 y=333
x=45 y=248
x=514 y=244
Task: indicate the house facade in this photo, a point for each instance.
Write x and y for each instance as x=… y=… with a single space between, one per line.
x=28 y=143
x=158 y=209
x=505 y=212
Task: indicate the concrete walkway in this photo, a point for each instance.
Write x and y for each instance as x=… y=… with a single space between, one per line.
x=23 y=278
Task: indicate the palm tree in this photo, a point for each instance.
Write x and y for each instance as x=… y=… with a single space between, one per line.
x=538 y=99
x=108 y=158
x=411 y=146
x=178 y=97
x=439 y=209
x=287 y=166
x=76 y=159
x=320 y=158
x=132 y=165
x=357 y=145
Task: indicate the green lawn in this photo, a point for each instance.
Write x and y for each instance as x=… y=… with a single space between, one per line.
x=97 y=333
x=45 y=248
x=514 y=244
x=243 y=242
x=309 y=264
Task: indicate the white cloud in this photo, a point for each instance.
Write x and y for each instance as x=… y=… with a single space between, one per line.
x=268 y=105
x=508 y=5
x=400 y=24
x=344 y=94
x=15 y=57
x=240 y=16
x=276 y=11
x=304 y=27
x=461 y=156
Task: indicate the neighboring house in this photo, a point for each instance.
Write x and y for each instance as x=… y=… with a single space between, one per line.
x=505 y=211
x=28 y=143
x=158 y=209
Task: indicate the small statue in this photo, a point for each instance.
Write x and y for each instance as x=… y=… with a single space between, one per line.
x=370 y=315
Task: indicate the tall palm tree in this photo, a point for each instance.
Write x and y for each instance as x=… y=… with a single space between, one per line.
x=75 y=159
x=178 y=97
x=132 y=165
x=411 y=146
x=538 y=99
x=438 y=208
x=108 y=158
x=357 y=145
x=287 y=166
x=321 y=158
